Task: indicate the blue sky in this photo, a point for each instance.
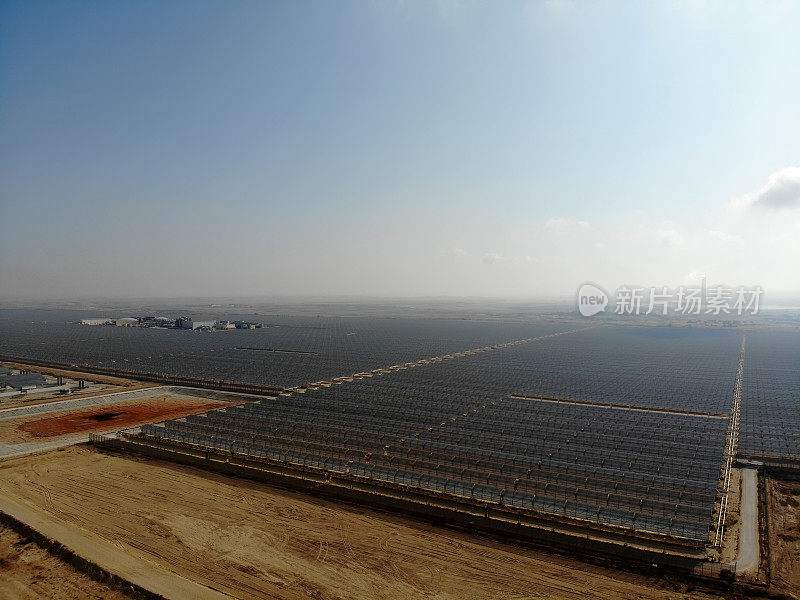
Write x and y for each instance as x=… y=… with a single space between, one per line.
x=397 y=148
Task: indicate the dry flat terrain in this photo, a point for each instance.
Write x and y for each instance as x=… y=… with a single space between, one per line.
x=27 y=572
x=248 y=540
x=784 y=539
x=103 y=417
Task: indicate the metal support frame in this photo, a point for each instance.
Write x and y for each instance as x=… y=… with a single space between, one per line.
x=730 y=450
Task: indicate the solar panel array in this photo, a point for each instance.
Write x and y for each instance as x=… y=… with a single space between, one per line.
x=650 y=367
x=651 y=471
x=330 y=347
x=681 y=369
x=770 y=419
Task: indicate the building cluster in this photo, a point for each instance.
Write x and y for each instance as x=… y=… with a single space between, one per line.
x=170 y=323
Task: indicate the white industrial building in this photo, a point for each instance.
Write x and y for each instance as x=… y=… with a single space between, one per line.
x=97 y=321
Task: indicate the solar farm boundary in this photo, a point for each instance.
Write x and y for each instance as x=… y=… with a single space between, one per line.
x=574 y=535
x=657 y=409
x=730 y=446
x=778 y=466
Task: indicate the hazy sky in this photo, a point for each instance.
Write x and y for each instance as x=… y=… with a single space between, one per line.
x=396 y=148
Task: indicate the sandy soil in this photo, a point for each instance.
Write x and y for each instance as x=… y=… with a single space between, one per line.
x=27 y=572
x=249 y=540
x=105 y=417
x=784 y=540
x=730 y=542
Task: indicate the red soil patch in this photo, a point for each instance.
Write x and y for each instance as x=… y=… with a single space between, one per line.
x=115 y=416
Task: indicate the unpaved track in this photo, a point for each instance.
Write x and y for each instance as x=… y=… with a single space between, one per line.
x=748 y=559
x=252 y=541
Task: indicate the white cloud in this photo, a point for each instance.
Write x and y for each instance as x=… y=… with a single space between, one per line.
x=491 y=258
x=724 y=237
x=781 y=191
x=670 y=238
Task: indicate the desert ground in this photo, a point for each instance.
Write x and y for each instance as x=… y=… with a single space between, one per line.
x=784 y=536
x=28 y=572
x=111 y=416
x=243 y=539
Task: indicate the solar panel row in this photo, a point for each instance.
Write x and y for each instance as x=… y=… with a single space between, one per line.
x=647 y=470
x=770 y=420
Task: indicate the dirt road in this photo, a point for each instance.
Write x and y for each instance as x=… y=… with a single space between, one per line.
x=748 y=559
x=248 y=540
